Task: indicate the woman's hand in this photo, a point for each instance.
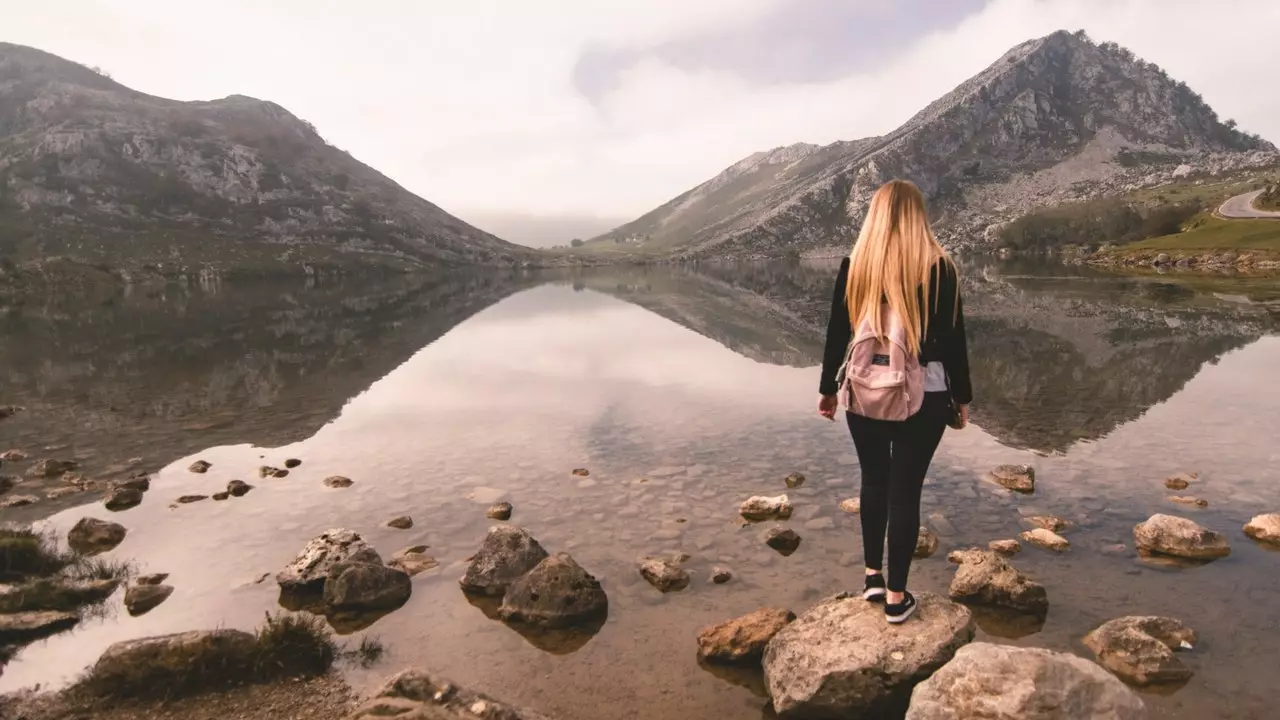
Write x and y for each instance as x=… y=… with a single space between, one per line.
x=827 y=406
x=964 y=416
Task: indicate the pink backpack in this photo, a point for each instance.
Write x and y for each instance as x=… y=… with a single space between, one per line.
x=881 y=380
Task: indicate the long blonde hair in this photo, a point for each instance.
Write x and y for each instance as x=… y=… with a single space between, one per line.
x=894 y=255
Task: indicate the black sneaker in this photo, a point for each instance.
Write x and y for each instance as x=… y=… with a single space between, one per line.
x=899 y=612
x=873 y=590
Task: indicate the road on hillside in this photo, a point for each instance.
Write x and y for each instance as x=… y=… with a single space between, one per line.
x=1241 y=206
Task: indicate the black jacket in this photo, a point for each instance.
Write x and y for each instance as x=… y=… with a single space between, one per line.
x=945 y=341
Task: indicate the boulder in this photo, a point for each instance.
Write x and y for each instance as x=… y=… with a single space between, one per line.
x=120 y=661
x=1046 y=539
x=985 y=578
x=238 y=488
x=743 y=639
x=784 y=540
x=308 y=572
x=1141 y=649
x=1005 y=547
x=122 y=498
x=404 y=522
x=841 y=659
x=415 y=695
x=1264 y=528
x=499 y=511
x=338 y=481
x=557 y=593
x=507 y=553
x=1179 y=537
x=200 y=467
x=25 y=626
x=853 y=506
x=413 y=560
x=664 y=574
x=141 y=599
x=999 y=682
x=366 y=587
x=51 y=468
x=90 y=536
x=759 y=507
x=1021 y=478
x=926 y=543
x=794 y=480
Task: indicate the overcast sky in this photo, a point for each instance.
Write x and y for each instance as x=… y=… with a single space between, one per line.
x=578 y=107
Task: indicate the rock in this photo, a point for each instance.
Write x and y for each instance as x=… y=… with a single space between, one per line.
x=1179 y=537
x=743 y=639
x=1141 y=649
x=759 y=507
x=841 y=659
x=308 y=572
x=122 y=498
x=1005 y=547
x=664 y=574
x=1046 y=539
x=266 y=471
x=720 y=575
x=985 y=578
x=25 y=626
x=1021 y=478
x=187 y=499
x=52 y=468
x=19 y=501
x=337 y=481
x=415 y=695
x=62 y=492
x=1052 y=523
x=1188 y=500
x=366 y=587
x=90 y=536
x=292 y=463
x=1264 y=528
x=404 y=522
x=499 y=511
x=794 y=480
x=784 y=540
x=557 y=593
x=141 y=599
x=926 y=543
x=152 y=579
x=1176 y=483
x=581 y=472
x=140 y=482
x=238 y=488
x=999 y=682
x=7 y=482
x=221 y=495
x=507 y=553
x=853 y=506
x=118 y=665
x=13 y=456
x=1162 y=259
x=413 y=560
x=200 y=467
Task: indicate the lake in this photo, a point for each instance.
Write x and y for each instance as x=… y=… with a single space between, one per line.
x=684 y=390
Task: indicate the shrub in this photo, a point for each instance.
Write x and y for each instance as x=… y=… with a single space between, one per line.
x=1094 y=223
x=25 y=553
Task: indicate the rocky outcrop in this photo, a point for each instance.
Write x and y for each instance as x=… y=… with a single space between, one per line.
x=365 y=587
x=1264 y=528
x=759 y=507
x=1179 y=537
x=1141 y=649
x=141 y=598
x=998 y=682
x=416 y=695
x=508 y=552
x=90 y=536
x=985 y=578
x=665 y=573
x=743 y=639
x=841 y=659
x=308 y=572
x=557 y=593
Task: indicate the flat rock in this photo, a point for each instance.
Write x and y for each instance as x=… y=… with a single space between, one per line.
x=794 y=480
x=784 y=540
x=413 y=560
x=90 y=536
x=507 y=553
x=926 y=543
x=841 y=659
x=1021 y=478
x=49 y=468
x=1264 y=528
x=743 y=639
x=1046 y=539
x=664 y=574
x=853 y=506
x=200 y=467
x=1180 y=537
x=366 y=587
x=499 y=511
x=238 y=488
x=999 y=682
x=25 y=626
x=308 y=572
x=416 y=695
x=404 y=522
x=760 y=507
x=122 y=498
x=141 y=599
x=1005 y=547
x=1141 y=649
x=557 y=593
x=188 y=499
x=985 y=578
x=338 y=481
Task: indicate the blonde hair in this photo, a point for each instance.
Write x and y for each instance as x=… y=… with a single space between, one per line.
x=894 y=255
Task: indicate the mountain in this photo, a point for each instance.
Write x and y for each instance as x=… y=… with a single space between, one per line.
x=97 y=172
x=1055 y=119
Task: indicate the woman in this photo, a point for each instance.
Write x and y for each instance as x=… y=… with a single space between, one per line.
x=898 y=261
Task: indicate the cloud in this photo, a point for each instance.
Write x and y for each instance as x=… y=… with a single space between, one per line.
x=481 y=106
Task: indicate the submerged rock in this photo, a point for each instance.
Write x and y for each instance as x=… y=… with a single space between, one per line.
x=1181 y=481
x=238 y=488
x=122 y=498
x=794 y=480
x=366 y=587
x=338 y=481
x=90 y=536
x=499 y=511
x=664 y=574
x=784 y=540
x=841 y=659
x=141 y=599
x=557 y=593
x=1021 y=478
x=999 y=682
x=743 y=639
x=926 y=543
x=985 y=578
x=720 y=575
x=1141 y=649
x=1264 y=528
x=308 y=572
x=1005 y=547
x=415 y=695
x=1046 y=539
x=26 y=626
x=200 y=467
x=1052 y=523
x=413 y=560
x=52 y=468
x=404 y=522
x=1188 y=500
x=507 y=553
x=1179 y=537
x=759 y=507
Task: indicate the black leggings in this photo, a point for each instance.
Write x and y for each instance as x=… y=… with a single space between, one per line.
x=895 y=457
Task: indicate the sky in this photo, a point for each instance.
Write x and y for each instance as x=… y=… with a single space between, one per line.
x=524 y=114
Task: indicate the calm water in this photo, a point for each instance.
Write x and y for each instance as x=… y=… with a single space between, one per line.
x=684 y=392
